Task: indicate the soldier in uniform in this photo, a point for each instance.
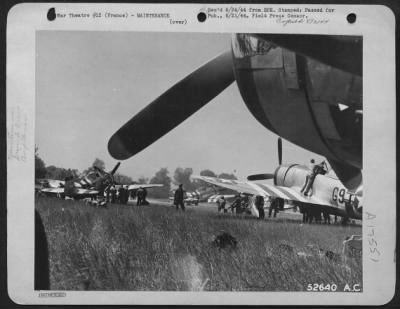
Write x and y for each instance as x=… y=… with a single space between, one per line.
x=259 y=202
x=327 y=217
x=120 y=194
x=107 y=190
x=276 y=205
x=221 y=204
x=113 y=194
x=311 y=166
x=179 y=197
x=322 y=169
x=126 y=197
x=144 y=201
x=139 y=195
x=123 y=195
x=236 y=203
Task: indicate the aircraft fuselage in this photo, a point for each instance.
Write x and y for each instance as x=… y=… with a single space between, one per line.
x=326 y=189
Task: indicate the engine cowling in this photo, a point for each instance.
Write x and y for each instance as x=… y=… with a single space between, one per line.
x=310 y=103
x=293 y=175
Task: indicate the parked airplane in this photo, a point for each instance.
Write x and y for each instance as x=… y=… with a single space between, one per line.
x=305 y=88
x=41 y=183
x=90 y=184
x=46 y=183
x=329 y=195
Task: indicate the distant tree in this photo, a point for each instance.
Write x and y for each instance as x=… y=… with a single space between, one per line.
x=201 y=185
x=161 y=177
x=198 y=184
x=122 y=179
x=73 y=172
x=60 y=173
x=40 y=167
x=99 y=163
x=227 y=176
x=208 y=173
x=182 y=176
x=143 y=180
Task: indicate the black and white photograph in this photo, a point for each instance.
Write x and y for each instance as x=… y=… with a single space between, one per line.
x=239 y=173
x=190 y=161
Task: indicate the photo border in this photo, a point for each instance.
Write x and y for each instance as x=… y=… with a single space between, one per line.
x=377 y=28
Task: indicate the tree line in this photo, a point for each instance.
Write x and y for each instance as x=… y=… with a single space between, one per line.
x=180 y=176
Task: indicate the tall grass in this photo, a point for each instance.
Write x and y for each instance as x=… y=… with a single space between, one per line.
x=156 y=248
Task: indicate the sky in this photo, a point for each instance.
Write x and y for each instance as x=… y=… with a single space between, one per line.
x=88 y=84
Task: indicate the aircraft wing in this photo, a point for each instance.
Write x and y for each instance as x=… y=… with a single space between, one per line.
x=236 y=185
x=53 y=190
x=86 y=191
x=150 y=185
x=61 y=190
x=55 y=183
x=263 y=189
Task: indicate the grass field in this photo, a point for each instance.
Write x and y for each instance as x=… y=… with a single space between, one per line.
x=156 y=248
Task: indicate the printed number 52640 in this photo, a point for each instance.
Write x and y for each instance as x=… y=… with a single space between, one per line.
x=321 y=287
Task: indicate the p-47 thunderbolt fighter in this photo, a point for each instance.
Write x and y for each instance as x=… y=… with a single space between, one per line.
x=329 y=195
x=91 y=184
x=305 y=88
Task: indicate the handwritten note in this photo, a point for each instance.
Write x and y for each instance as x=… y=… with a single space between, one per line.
x=16 y=134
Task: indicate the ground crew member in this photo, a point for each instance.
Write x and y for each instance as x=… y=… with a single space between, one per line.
x=123 y=195
x=221 y=204
x=311 y=166
x=245 y=203
x=236 y=203
x=139 y=195
x=179 y=197
x=322 y=169
x=120 y=194
x=107 y=190
x=144 y=202
x=327 y=217
x=259 y=202
x=276 y=204
x=113 y=194
x=126 y=196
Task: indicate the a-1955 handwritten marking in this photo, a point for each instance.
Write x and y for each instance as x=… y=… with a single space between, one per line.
x=374 y=252
x=16 y=134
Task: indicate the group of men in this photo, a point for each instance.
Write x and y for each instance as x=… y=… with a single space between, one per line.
x=241 y=205
x=315 y=214
x=114 y=195
x=276 y=204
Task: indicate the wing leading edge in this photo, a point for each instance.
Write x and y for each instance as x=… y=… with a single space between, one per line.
x=263 y=189
x=137 y=186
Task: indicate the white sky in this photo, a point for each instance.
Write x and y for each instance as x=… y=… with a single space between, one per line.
x=91 y=83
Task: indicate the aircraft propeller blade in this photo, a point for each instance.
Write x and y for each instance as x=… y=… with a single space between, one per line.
x=267 y=176
x=280 y=151
x=260 y=177
x=115 y=168
x=172 y=107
